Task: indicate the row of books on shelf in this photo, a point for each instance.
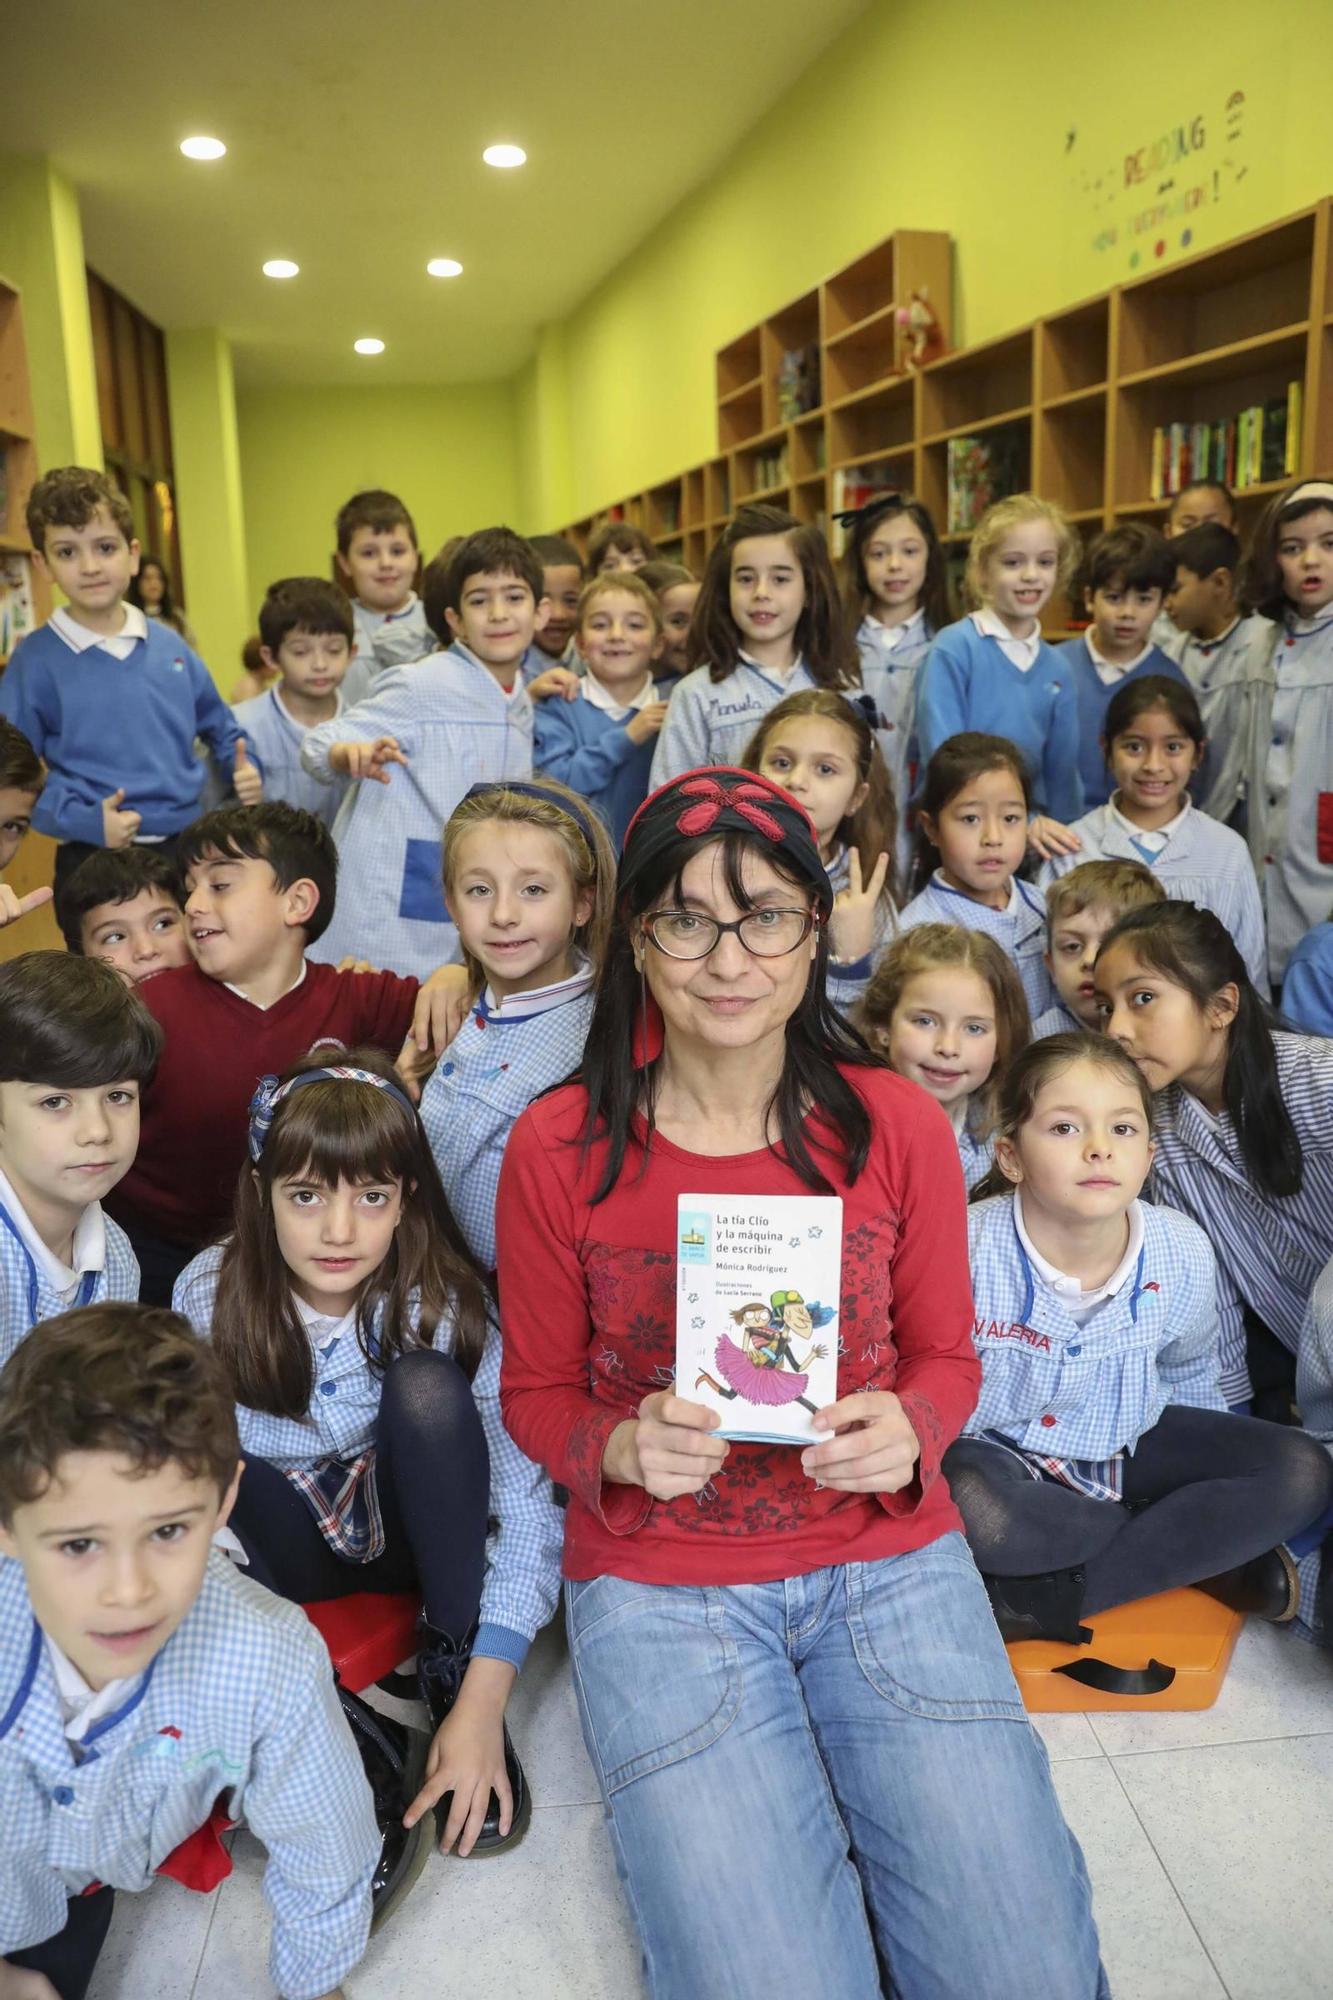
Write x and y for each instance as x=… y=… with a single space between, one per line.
x=770 y=468
x=1259 y=444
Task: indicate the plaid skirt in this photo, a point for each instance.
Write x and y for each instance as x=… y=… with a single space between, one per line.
x=342 y=1496
x=1100 y=1479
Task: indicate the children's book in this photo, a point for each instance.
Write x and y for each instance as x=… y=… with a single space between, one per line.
x=758 y=1296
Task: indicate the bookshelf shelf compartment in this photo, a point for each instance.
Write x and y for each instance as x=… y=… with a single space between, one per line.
x=1283 y=345
x=964 y=390
x=981 y=426
x=1070 y=465
x=1257 y=285
x=1074 y=351
x=1074 y=399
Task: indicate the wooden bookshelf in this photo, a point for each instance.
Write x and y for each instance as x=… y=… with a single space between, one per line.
x=34 y=863
x=1077 y=394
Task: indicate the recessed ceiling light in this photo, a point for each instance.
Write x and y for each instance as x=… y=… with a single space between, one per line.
x=201 y=148
x=369 y=346
x=504 y=156
x=444 y=267
x=281 y=267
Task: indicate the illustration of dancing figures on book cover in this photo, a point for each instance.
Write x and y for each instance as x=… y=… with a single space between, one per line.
x=757 y=1298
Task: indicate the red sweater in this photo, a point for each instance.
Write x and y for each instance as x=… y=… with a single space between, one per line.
x=589 y=1316
x=195 y=1122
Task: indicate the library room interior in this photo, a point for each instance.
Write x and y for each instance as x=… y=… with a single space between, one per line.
x=598 y=604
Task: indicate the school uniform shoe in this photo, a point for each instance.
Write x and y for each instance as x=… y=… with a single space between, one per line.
x=1268 y=1587
x=394 y=1759
x=441 y=1664
x=1046 y=1606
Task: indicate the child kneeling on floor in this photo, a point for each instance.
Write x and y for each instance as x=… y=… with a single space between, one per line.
x=147 y=1688
x=1101 y=1463
x=357 y=1336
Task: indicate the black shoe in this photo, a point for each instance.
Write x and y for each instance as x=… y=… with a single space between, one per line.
x=1268 y=1586
x=441 y=1664
x=1040 y=1607
x=394 y=1758
x=490 y=1840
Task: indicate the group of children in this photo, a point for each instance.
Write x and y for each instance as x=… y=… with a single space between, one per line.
x=326 y=946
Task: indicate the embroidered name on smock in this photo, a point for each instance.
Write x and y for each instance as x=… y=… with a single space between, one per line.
x=1014 y=1329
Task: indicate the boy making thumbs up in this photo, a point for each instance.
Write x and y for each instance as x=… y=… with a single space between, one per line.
x=110 y=700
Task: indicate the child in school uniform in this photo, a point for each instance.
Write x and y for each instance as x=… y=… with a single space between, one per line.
x=359 y=1341
x=306 y=636
x=529 y=875
x=1314 y=1398
x=124 y=906
x=1101 y=1463
x=993 y=672
x=1126 y=574
x=1225 y=656
x=1307 y=990
x=677 y=592
x=150 y=1694
x=462 y=716
x=1154 y=743
x=1080 y=909
x=822 y=750
x=601 y=744
x=1290 y=579
x=22 y=775
x=619 y=545
x=946 y=1009
x=972 y=822
x=768 y=623
x=1244 y=1116
x=562 y=581
x=379 y=557
x=896 y=596
x=76 y=1049
x=110 y=701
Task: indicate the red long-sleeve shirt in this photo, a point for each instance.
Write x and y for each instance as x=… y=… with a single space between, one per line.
x=195 y=1119
x=588 y=1305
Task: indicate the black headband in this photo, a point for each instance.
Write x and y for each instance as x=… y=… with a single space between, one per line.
x=721 y=799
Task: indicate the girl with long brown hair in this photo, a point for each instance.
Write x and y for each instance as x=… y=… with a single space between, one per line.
x=360 y=1342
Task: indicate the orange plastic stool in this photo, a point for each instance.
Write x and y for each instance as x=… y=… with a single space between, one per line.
x=367 y=1634
x=1183 y=1629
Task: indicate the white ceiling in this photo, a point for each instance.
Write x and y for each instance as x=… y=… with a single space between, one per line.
x=355 y=135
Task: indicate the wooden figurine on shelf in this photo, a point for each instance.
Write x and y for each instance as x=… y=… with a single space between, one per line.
x=919 y=328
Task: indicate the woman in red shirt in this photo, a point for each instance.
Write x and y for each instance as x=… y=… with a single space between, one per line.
x=776 y=1648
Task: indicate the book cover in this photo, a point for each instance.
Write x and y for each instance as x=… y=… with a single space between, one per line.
x=758 y=1292
x=1295 y=404
x=1273 y=438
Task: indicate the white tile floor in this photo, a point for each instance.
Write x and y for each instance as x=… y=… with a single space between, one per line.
x=1198 y=1830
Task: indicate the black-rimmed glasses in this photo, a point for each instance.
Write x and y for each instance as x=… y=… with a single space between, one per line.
x=764 y=933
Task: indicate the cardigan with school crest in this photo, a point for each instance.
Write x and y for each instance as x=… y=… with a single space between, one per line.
x=1227 y=674
x=1087 y=1389
x=274 y=737
x=710 y=722
x=968 y=682
x=240 y=1702
x=1291 y=798
x=1094 y=698
x=1270 y=1249
x=457 y=728
x=1203 y=862
x=27 y=1293
x=588 y=748
x=1019 y=930
x=522 y=1580
x=506 y=1053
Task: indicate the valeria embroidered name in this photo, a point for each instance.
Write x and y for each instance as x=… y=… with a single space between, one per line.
x=994 y=1329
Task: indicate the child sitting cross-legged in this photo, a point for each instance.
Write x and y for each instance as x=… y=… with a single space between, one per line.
x=357 y=1336
x=259 y=886
x=76 y=1049
x=601 y=743
x=149 y=1692
x=123 y=905
x=1080 y=909
x=1101 y=1463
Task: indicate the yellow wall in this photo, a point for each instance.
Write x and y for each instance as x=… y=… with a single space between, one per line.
x=41 y=251
x=932 y=114
x=209 y=498
x=448 y=452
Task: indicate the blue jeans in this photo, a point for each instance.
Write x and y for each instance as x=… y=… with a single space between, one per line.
x=828 y=1786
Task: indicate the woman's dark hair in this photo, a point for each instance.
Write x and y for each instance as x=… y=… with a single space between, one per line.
x=1135 y=698
x=73 y=1023
x=959 y=761
x=818 y=1038
x=872 y=828
x=1261 y=582
x=1033 y=1068
x=822 y=637
x=167 y=610
x=328 y=1132
x=1195 y=951
x=857 y=597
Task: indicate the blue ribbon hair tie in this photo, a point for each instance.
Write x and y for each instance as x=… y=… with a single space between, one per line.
x=269 y=1094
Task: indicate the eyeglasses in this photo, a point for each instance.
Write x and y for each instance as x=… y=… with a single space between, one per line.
x=764 y=933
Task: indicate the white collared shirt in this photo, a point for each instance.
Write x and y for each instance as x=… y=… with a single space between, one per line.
x=780 y=674
x=1022 y=652
x=516 y=1006
x=1111 y=671
x=241 y=993
x=289 y=717
x=593 y=691
x=891 y=637
x=88 y=1249
x=119 y=644
x=1077 y=1302
x=80 y=1708
x=1147 y=842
